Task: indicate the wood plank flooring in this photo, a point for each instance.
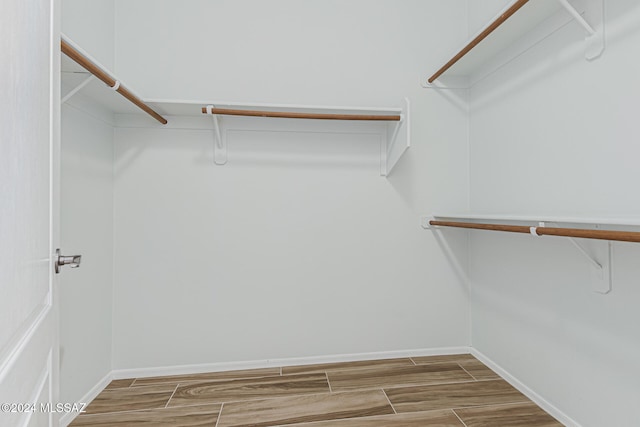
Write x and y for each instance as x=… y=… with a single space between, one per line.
x=455 y=391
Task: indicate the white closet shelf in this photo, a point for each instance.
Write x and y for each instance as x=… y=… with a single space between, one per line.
x=393 y=121
x=516 y=26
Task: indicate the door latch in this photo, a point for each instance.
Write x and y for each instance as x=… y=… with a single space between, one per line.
x=72 y=261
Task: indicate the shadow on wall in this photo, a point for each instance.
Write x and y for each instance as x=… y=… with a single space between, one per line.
x=456 y=97
x=569 y=332
x=402 y=179
x=304 y=149
x=551 y=299
x=270 y=143
x=452 y=242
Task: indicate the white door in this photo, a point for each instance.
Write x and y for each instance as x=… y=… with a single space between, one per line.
x=29 y=145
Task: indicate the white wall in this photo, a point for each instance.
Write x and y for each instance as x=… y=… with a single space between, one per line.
x=91 y=24
x=297 y=247
x=553 y=134
x=481 y=12
x=87 y=213
x=86 y=229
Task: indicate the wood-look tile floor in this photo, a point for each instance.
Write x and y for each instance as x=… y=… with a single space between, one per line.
x=455 y=391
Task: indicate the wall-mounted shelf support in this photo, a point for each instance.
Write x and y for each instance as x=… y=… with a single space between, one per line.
x=391 y=123
x=219 y=143
x=394 y=134
x=386 y=146
x=595 y=35
x=598 y=250
x=595 y=264
x=392 y=150
x=77 y=89
x=576 y=15
x=600 y=270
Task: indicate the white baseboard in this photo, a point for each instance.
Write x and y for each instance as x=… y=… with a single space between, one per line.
x=270 y=363
x=535 y=397
x=68 y=417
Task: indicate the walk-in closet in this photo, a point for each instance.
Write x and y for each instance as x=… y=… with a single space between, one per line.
x=320 y=213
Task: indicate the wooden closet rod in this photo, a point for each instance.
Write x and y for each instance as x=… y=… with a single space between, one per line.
x=85 y=63
x=620 y=236
x=293 y=115
x=483 y=35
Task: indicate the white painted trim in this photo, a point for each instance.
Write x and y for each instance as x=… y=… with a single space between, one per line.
x=270 y=363
x=44 y=380
x=23 y=336
x=68 y=417
x=520 y=386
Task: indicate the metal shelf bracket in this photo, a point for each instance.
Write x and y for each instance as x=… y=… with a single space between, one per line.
x=594 y=40
x=597 y=251
x=77 y=89
x=600 y=264
x=219 y=143
x=388 y=144
x=599 y=257
x=396 y=141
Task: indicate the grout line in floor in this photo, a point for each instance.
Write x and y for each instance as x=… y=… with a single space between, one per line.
x=458 y=416
x=388 y=400
x=467 y=372
x=219 y=415
x=440 y=363
x=152 y=409
x=118 y=412
x=255 y=399
x=326 y=374
x=118 y=388
x=416 y=385
x=211 y=380
x=486 y=405
x=174 y=392
x=413 y=361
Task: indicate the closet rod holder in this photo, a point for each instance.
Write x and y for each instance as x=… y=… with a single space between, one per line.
x=101 y=74
x=298 y=115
